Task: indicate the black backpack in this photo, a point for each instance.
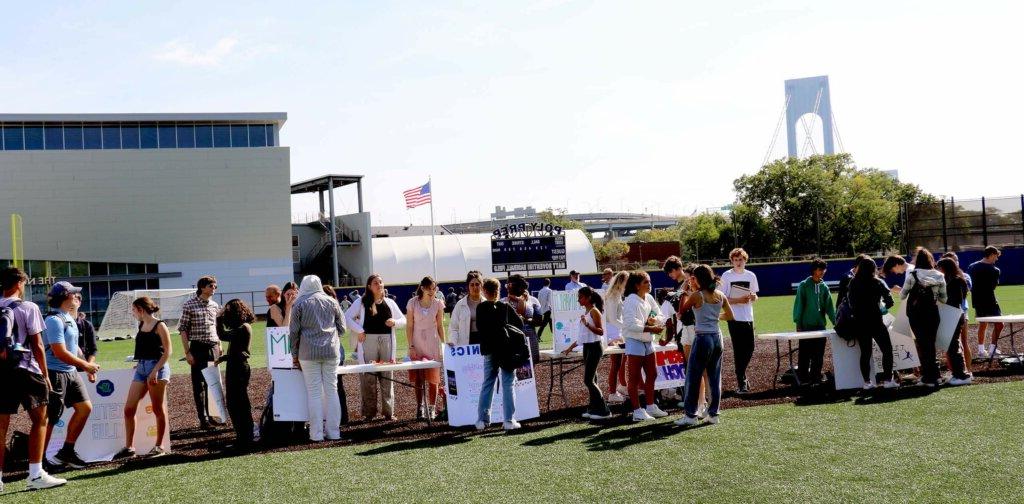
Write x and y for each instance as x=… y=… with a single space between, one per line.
x=11 y=350
x=275 y=433
x=515 y=351
x=921 y=298
x=845 y=325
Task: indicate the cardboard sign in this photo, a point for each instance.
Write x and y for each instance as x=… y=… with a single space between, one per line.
x=463 y=380
x=215 y=402
x=103 y=435
x=671 y=369
x=565 y=316
x=279 y=348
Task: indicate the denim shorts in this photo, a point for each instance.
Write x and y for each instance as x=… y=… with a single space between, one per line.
x=639 y=348
x=144 y=367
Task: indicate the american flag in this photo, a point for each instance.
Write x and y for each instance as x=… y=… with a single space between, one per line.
x=417 y=196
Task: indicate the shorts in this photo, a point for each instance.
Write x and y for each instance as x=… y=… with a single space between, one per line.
x=67 y=389
x=639 y=348
x=144 y=367
x=689 y=332
x=21 y=388
x=987 y=308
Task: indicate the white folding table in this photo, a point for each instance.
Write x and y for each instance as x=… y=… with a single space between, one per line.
x=354 y=369
x=789 y=338
x=574 y=361
x=1011 y=320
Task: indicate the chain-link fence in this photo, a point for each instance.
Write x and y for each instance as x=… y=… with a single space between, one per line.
x=965 y=224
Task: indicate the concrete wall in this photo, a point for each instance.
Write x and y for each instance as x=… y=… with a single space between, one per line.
x=358 y=260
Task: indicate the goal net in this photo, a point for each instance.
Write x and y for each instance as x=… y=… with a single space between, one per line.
x=118 y=321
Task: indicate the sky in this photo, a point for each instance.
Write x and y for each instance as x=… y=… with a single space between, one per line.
x=586 y=106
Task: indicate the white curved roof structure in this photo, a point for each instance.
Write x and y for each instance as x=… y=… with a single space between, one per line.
x=406 y=259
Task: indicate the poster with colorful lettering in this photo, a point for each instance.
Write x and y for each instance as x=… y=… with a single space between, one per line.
x=279 y=350
x=671 y=369
x=103 y=435
x=565 y=316
x=463 y=380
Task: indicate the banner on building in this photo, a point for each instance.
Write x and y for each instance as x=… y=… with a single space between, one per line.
x=463 y=380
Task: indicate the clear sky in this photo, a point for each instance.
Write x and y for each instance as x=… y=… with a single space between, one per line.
x=588 y=106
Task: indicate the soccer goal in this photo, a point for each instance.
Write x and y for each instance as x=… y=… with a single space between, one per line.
x=118 y=321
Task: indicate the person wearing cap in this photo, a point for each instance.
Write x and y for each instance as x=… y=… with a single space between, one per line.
x=574 y=282
x=63 y=363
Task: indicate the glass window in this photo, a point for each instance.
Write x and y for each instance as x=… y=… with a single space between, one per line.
x=257 y=135
x=53 y=136
x=136 y=285
x=111 y=136
x=152 y=268
x=153 y=283
x=72 y=136
x=239 y=135
x=148 y=136
x=270 y=135
x=204 y=136
x=33 y=137
x=79 y=269
x=85 y=296
x=91 y=136
x=118 y=269
x=36 y=268
x=167 y=137
x=221 y=135
x=97 y=269
x=14 y=137
x=130 y=136
x=100 y=296
x=118 y=286
x=59 y=269
x=136 y=269
x=186 y=136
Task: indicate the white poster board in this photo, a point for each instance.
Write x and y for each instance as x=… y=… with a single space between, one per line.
x=949 y=317
x=289 y=396
x=565 y=316
x=279 y=348
x=671 y=369
x=463 y=378
x=846 y=363
x=215 y=402
x=103 y=435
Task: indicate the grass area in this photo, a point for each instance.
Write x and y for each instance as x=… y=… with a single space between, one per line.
x=772 y=314
x=933 y=448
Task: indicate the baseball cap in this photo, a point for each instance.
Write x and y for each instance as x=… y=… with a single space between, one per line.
x=574 y=272
x=63 y=288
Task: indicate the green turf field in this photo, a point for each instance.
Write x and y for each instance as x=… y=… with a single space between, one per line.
x=935 y=448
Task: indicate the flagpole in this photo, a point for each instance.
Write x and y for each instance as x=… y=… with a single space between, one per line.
x=433 y=246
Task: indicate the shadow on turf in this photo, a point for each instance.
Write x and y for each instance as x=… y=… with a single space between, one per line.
x=452 y=439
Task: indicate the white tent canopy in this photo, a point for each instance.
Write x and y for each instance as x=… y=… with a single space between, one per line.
x=406 y=259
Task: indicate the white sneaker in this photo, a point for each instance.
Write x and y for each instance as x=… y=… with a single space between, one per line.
x=480 y=425
x=511 y=425
x=588 y=416
x=600 y=417
x=622 y=390
x=687 y=421
x=639 y=415
x=44 y=481
x=960 y=381
x=616 y=398
x=655 y=411
x=891 y=384
x=702 y=413
x=995 y=353
x=868 y=386
x=981 y=354
x=713 y=420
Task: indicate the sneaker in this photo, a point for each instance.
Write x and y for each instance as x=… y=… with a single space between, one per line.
x=431 y=414
x=511 y=425
x=927 y=384
x=44 y=481
x=587 y=415
x=69 y=458
x=687 y=421
x=956 y=382
x=996 y=354
x=639 y=415
x=125 y=453
x=622 y=390
x=744 y=388
x=680 y=404
x=655 y=411
x=419 y=413
x=868 y=386
x=156 y=452
x=605 y=416
x=981 y=354
x=702 y=413
x=891 y=384
x=713 y=420
x=616 y=398
x=481 y=426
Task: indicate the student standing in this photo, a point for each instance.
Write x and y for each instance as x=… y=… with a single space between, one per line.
x=492 y=316
x=63 y=363
x=924 y=289
x=373 y=318
x=709 y=306
x=867 y=294
x=24 y=375
x=528 y=308
x=152 y=374
x=813 y=303
x=198 y=329
x=617 y=390
x=740 y=287
x=963 y=306
x=280 y=310
x=606 y=278
x=641 y=320
x=86 y=339
x=544 y=297
x=235 y=327
x=462 y=327
x=956 y=291
x=425 y=330
x=315 y=333
x=683 y=322
x=591 y=336
x=985 y=276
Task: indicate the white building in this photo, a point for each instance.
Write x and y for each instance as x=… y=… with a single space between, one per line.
x=118 y=202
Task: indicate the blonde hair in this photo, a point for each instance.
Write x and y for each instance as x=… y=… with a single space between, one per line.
x=739 y=252
x=617 y=287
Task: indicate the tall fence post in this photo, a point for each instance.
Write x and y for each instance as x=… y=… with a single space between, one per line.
x=984 y=223
x=1022 y=216
x=945 y=239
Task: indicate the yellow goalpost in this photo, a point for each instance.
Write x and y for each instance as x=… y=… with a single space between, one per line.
x=17 y=252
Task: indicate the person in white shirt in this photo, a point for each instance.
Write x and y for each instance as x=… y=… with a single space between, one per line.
x=591 y=337
x=462 y=327
x=641 y=320
x=606 y=278
x=740 y=287
x=613 y=335
x=574 y=282
x=544 y=296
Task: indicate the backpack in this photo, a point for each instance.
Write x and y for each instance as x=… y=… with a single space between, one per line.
x=275 y=433
x=11 y=350
x=515 y=352
x=845 y=325
x=921 y=298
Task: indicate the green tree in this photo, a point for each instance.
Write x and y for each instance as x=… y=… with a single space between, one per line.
x=670 y=234
x=610 y=252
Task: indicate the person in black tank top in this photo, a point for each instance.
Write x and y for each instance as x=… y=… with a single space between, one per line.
x=152 y=374
x=234 y=326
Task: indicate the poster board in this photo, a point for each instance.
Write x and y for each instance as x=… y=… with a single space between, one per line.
x=289 y=396
x=671 y=369
x=565 y=316
x=279 y=349
x=949 y=317
x=103 y=435
x=215 y=402
x=463 y=378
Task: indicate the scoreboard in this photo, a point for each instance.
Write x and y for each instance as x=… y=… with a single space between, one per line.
x=527 y=253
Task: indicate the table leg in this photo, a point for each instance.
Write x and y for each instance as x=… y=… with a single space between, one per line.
x=561 y=384
x=796 y=375
x=778 y=363
x=551 y=382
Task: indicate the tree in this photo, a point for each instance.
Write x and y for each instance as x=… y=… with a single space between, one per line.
x=611 y=252
x=670 y=234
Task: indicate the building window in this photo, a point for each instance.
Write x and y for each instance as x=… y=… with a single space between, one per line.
x=257 y=135
x=91 y=137
x=53 y=136
x=167 y=137
x=270 y=136
x=111 y=136
x=79 y=269
x=186 y=136
x=239 y=135
x=97 y=269
x=73 y=137
x=204 y=136
x=60 y=269
x=136 y=269
x=221 y=135
x=14 y=138
x=130 y=137
x=33 y=137
x=148 y=137
x=295 y=240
